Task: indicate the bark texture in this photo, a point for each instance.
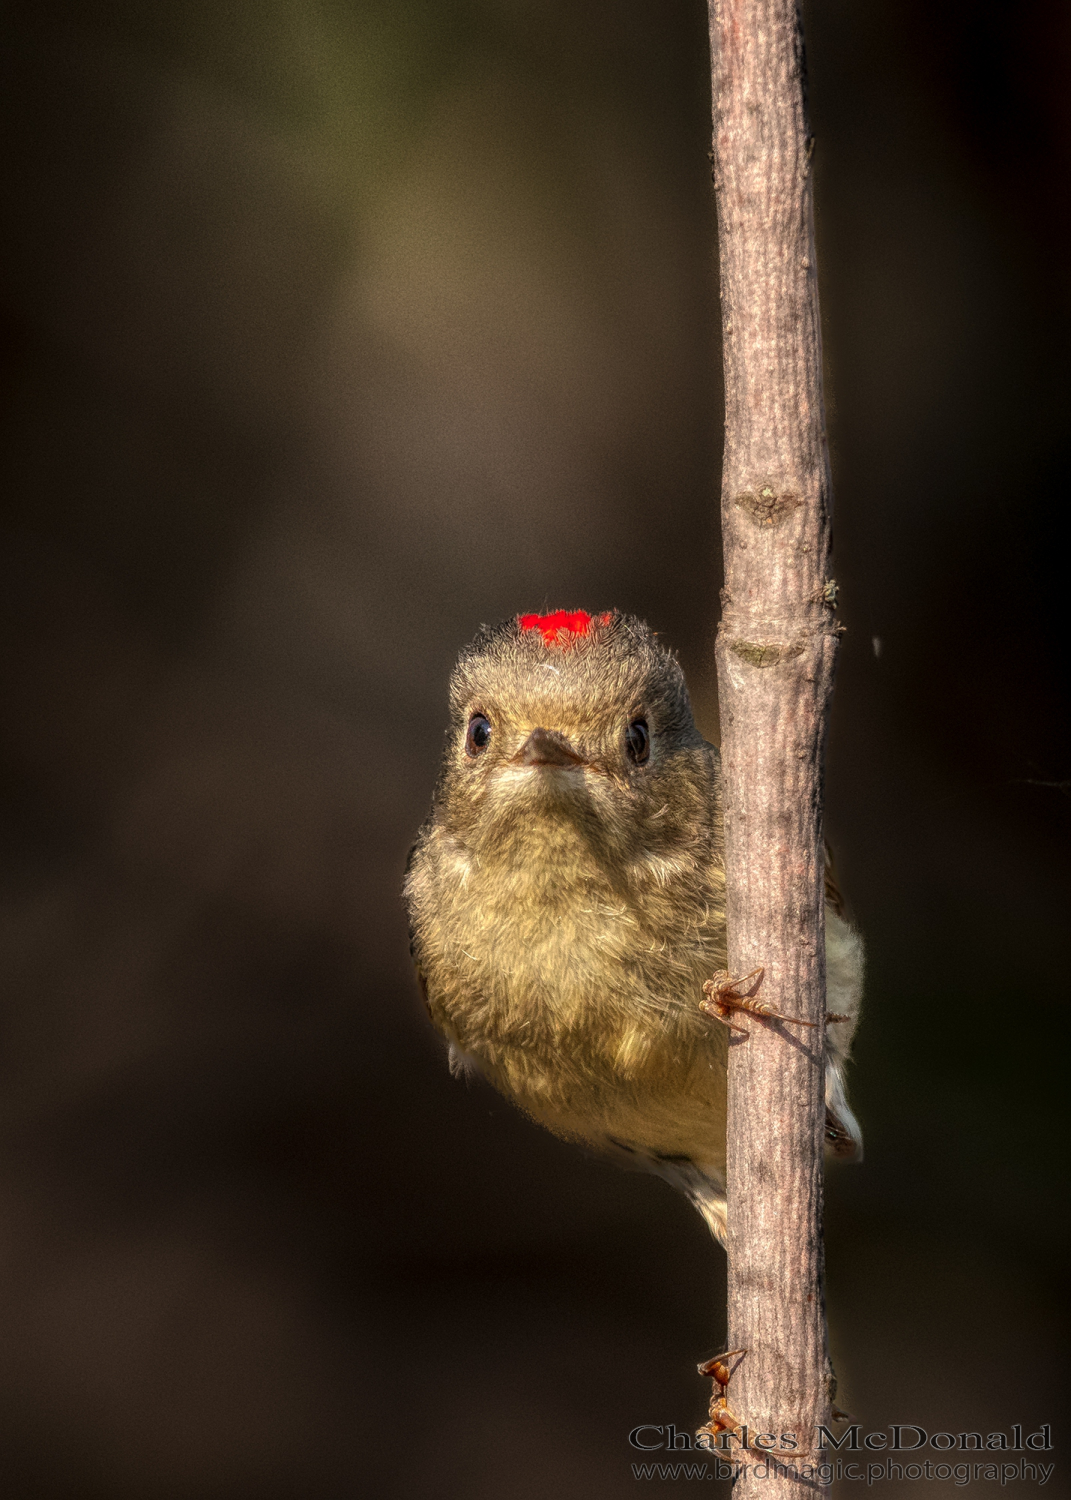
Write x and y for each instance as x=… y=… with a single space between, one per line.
x=775 y=653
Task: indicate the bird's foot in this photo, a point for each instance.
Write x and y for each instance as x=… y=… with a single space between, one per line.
x=722 y=998
x=718 y=1370
x=720 y=1420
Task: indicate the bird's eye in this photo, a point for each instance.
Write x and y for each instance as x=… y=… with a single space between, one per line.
x=479 y=735
x=638 y=741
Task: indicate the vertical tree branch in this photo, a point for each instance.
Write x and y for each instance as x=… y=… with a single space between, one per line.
x=775 y=653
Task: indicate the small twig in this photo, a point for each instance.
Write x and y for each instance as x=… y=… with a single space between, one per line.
x=776 y=650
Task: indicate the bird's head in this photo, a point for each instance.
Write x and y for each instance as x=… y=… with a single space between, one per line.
x=575 y=720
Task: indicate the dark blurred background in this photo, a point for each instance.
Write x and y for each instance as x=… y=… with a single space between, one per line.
x=332 y=328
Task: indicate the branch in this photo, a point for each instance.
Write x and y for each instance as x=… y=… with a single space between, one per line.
x=775 y=652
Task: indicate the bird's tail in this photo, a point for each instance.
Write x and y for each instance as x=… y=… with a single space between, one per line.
x=703 y=1187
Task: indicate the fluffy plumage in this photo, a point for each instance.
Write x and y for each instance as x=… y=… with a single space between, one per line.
x=566 y=898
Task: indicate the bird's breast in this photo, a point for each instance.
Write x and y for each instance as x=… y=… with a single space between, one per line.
x=578 y=997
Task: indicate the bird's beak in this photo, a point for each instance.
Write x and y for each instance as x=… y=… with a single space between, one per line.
x=546 y=747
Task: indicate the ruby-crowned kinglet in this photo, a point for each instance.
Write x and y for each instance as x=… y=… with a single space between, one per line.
x=566 y=899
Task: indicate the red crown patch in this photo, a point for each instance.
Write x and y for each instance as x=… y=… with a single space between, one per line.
x=560 y=628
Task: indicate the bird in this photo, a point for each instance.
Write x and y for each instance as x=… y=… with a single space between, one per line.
x=566 y=901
